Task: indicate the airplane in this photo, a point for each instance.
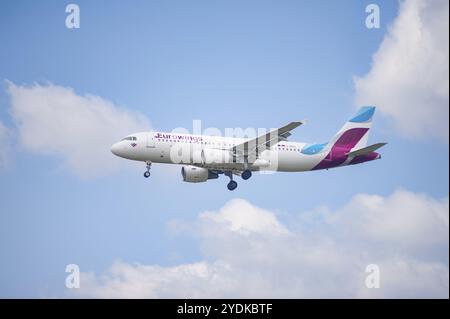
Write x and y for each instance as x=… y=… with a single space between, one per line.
x=206 y=157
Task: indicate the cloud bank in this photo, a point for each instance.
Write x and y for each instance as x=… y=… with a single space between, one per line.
x=409 y=77
x=54 y=120
x=249 y=252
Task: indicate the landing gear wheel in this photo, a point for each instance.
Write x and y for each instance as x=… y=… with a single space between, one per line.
x=232 y=185
x=147 y=173
x=246 y=174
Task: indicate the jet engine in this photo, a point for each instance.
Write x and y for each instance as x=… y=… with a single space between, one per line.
x=193 y=174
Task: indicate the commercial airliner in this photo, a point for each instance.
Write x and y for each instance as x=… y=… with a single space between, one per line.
x=206 y=157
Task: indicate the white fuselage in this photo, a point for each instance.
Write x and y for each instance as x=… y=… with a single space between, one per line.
x=186 y=149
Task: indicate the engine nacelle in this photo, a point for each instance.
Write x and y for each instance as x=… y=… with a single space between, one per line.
x=193 y=174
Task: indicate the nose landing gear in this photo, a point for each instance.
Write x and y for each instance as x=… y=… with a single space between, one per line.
x=147 y=172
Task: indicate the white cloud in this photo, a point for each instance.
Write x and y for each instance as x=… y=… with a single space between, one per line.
x=409 y=278
x=240 y=216
x=404 y=218
x=196 y=280
x=248 y=252
x=5 y=136
x=409 y=78
x=54 y=120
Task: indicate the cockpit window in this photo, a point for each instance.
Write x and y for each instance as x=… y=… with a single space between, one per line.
x=129 y=138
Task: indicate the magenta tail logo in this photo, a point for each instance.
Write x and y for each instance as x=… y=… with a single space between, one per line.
x=338 y=152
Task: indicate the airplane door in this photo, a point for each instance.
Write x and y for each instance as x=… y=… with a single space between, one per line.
x=150 y=140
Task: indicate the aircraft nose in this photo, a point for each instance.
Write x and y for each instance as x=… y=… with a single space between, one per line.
x=115 y=149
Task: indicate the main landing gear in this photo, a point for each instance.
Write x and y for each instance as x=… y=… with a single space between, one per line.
x=246 y=174
x=147 y=172
x=232 y=185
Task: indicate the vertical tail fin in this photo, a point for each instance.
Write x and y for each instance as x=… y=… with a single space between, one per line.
x=355 y=132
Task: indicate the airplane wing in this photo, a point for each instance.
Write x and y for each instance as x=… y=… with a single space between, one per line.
x=265 y=141
x=366 y=150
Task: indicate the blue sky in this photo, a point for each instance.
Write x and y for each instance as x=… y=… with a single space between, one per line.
x=227 y=63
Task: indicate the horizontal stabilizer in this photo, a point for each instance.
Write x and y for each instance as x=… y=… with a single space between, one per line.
x=366 y=150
